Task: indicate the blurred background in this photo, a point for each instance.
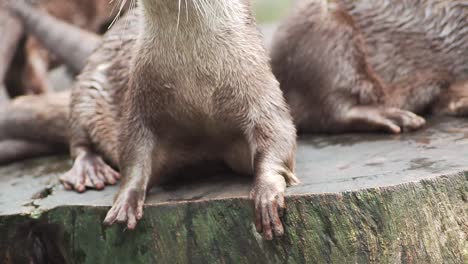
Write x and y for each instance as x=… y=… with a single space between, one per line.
x=269 y=11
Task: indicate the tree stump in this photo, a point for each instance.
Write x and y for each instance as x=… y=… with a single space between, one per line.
x=363 y=199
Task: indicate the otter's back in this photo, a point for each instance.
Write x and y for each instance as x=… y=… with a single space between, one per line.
x=406 y=35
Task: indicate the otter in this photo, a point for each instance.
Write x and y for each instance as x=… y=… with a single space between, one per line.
x=174 y=84
x=27 y=72
x=370 y=65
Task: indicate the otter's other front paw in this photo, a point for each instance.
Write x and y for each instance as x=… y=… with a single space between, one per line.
x=393 y=120
x=89 y=170
x=127 y=208
x=269 y=202
x=406 y=120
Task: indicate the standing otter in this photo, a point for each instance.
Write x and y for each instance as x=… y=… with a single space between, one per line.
x=175 y=84
x=367 y=65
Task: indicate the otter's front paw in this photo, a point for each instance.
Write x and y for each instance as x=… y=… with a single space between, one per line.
x=268 y=196
x=127 y=208
x=89 y=170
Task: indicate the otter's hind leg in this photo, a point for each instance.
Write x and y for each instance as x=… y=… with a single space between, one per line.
x=364 y=118
x=92 y=142
x=402 y=100
x=418 y=92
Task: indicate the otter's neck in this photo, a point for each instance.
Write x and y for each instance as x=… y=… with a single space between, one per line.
x=195 y=35
x=189 y=17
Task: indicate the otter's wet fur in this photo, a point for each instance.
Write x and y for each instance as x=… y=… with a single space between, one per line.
x=371 y=65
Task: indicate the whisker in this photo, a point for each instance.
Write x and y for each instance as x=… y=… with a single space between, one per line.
x=130 y=6
x=122 y=5
x=178 y=21
x=204 y=8
x=178 y=16
x=112 y=2
x=198 y=8
x=186 y=10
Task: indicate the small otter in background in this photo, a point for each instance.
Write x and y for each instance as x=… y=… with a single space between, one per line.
x=202 y=91
x=369 y=65
x=26 y=72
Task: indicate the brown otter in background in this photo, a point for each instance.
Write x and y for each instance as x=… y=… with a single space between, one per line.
x=201 y=91
x=27 y=74
x=367 y=65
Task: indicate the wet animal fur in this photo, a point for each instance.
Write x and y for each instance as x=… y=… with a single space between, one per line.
x=367 y=65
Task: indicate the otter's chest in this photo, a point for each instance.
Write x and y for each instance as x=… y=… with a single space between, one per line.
x=190 y=106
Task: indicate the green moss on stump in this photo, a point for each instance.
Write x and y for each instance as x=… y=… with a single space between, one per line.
x=423 y=222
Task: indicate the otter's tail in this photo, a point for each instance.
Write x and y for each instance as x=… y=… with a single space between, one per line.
x=69 y=43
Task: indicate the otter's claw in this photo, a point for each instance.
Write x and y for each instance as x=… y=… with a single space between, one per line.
x=89 y=170
x=127 y=208
x=269 y=202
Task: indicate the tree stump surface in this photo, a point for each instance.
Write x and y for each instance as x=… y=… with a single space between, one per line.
x=363 y=199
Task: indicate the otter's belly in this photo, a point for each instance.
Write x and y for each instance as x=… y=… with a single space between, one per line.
x=183 y=147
